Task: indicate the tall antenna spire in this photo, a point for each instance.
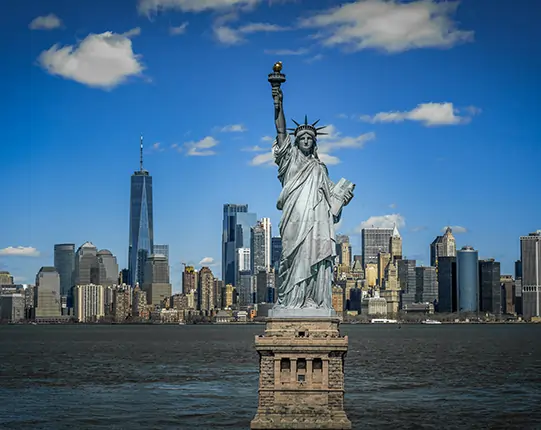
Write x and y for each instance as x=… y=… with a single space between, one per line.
x=141 y=155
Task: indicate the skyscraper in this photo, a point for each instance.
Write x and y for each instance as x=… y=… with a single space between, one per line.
x=141 y=222
x=64 y=263
x=276 y=250
x=157 y=285
x=447 y=284
x=162 y=250
x=205 y=290
x=47 y=293
x=189 y=280
x=395 y=245
x=490 y=291
x=237 y=224
x=373 y=241
x=443 y=246
x=530 y=257
x=108 y=268
x=258 y=247
x=426 y=285
x=86 y=269
x=407 y=280
x=467 y=267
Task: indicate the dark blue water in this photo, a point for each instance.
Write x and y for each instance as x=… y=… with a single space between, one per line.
x=182 y=377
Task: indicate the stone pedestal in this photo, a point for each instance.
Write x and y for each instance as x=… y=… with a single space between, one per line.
x=301 y=381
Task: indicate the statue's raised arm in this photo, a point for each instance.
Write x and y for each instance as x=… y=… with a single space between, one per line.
x=276 y=79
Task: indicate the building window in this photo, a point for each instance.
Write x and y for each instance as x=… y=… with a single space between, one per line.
x=285 y=364
x=317 y=364
x=301 y=364
x=300 y=378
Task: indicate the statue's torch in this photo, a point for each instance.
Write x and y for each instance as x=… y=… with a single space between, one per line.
x=276 y=78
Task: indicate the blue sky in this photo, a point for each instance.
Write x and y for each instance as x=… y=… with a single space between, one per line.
x=433 y=111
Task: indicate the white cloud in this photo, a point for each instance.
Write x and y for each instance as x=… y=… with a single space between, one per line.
x=202 y=147
x=383 y=221
x=207 y=261
x=391 y=25
x=157 y=147
x=326 y=145
x=180 y=29
x=315 y=58
x=234 y=128
x=255 y=148
x=455 y=228
x=419 y=228
x=429 y=114
x=20 y=251
x=263 y=159
x=100 y=60
x=154 y=6
x=132 y=33
x=234 y=36
x=300 y=51
x=46 y=22
x=267 y=139
x=19 y=279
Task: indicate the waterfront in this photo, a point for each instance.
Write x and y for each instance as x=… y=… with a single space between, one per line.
x=170 y=377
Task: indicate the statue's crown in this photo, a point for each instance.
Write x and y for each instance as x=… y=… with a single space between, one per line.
x=311 y=128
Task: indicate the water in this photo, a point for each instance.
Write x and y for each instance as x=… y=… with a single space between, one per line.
x=183 y=377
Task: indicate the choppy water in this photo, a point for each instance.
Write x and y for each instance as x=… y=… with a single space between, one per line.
x=183 y=377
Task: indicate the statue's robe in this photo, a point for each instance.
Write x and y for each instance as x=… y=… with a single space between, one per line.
x=306 y=228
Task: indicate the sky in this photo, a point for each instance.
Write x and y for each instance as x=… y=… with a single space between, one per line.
x=432 y=111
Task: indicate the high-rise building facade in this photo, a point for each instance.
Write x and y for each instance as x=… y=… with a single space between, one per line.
x=47 y=293
x=236 y=233
x=244 y=259
x=407 y=280
x=108 y=268
x=490 y=291
x=64 y=263
x=447 y=285
x=141 y=241
x=467 y=266
x=530 y=257
x=157 y=285
x=443 y=246
x=189 y=280
x=205 y=289
x=161 y=250
x=276 y=251
x=258 y=248
x=426 y=282
x=373 y=241
x=395 y=245
x=87 y=270
x=89 y=302
x=6 y=278
x=508 y=294
x=267 y=228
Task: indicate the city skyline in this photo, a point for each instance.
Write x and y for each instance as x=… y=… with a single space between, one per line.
x=434 y=175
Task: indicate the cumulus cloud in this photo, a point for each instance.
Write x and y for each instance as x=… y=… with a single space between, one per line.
x=202 y=147
x=383 y=221
x=429 y=114
x=207 y=261
x=180 y=29
x=46 y=22
x=102 y=60
x=20 y=251
x=327 y=144
x=390 y=25
x=233 y=36
x=234 y=128
x=267 y=139
x=147 y=7
x=458 y=229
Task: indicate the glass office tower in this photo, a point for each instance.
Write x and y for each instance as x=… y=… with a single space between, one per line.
x=141 y=223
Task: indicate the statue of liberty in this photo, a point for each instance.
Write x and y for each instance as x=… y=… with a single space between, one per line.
x=311 y=204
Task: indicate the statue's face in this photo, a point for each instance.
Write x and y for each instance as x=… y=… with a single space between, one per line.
x=306 y=143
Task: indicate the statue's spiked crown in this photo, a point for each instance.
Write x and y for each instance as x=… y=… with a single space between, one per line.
x=307 y=128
